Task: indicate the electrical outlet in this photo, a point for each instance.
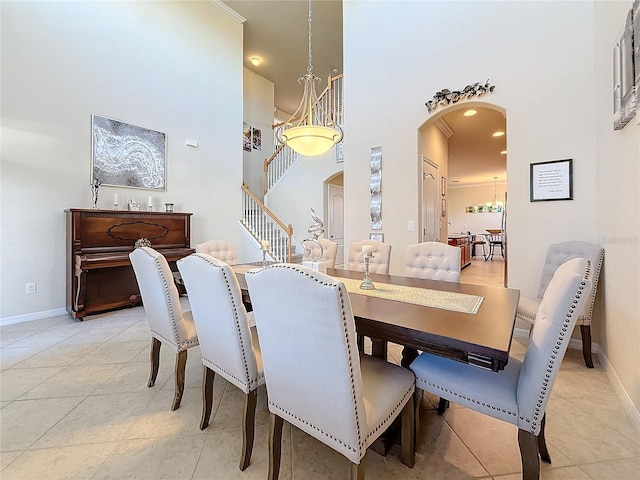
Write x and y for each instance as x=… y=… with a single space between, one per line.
x=410 y=225
x=31 y=287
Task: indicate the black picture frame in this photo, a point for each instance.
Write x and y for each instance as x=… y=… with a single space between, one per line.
x=551 y=181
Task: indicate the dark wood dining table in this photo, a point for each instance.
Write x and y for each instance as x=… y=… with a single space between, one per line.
x=482 y=338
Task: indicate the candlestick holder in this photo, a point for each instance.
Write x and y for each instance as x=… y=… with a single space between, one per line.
x=115 y=205
x=149 y=208
x=367 y=284
x=264 y=257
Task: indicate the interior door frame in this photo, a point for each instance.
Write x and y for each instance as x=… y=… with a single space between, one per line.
x=437 y=220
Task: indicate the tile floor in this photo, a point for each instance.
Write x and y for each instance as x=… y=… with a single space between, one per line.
x=74 y=405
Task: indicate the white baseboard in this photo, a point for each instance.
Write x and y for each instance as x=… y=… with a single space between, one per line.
x=28 y=317
x=627 y=404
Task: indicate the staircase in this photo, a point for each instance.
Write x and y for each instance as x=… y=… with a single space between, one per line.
x=257 y=219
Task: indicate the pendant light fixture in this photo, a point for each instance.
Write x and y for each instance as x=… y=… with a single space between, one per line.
x=310 y=130
x=496 y=206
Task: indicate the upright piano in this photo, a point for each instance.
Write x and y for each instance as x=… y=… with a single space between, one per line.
x=99 y=274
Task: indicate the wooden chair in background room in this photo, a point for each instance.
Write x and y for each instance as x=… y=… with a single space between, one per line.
x=220 y=249
x=433 y=261
x=323 y=385
x=495 y=240
x=518 y=395
x=378 y=264
x=228 y=344
x=477 y=242
x=329 y=252
x=557 y=254
x=168 y=323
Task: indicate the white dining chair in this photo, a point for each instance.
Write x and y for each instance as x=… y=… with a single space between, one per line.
x=220 y=249
x=518 y=395
x=329 y=252
x=228 y=345
x=316 y=379
x=167 y=322
x=433 y=261
x=557 y=254
x=378 y=264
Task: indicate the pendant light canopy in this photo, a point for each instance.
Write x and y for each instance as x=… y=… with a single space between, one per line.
x=310 y=130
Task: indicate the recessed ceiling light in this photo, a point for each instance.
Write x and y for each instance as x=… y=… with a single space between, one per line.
x=470 y=113
x=499 y=133
x=255 y=61
x=503 y=152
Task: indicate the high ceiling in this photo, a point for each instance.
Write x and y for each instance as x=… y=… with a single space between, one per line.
x=276 y=32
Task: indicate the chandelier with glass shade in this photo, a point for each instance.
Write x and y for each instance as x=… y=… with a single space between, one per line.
x=310 y=131
x=496 y=206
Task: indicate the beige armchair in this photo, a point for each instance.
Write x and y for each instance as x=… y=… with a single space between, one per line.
x=228 y=345
x=168 y=323
x=322 y=385
x=434 y=261
x=220 y=249
x=378 y=264
x=557 y=254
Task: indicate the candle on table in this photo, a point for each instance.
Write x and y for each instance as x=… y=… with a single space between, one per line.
x=150 y=201
x=367 y=250
x=115 y=198
x=265 y=244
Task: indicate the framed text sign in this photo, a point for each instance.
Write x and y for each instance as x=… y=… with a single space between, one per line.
x=551 y=180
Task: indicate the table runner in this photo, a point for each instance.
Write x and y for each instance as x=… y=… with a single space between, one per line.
x=456 y=302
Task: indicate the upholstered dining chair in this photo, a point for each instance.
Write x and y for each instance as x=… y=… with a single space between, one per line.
x=329 y=251
x=220 y=249
x=433 y=260
x=316 y=379
x=378 y=264
x=557 y=254
x=167 y=322
x=519 y=394
x=228 y=345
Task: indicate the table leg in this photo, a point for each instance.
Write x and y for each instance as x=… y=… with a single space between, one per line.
x=408 y=356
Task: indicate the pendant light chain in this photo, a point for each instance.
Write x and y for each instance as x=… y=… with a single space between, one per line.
x=309 y=66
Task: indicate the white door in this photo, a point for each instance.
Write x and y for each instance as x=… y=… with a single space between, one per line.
x=335 y=228
x=430 y=206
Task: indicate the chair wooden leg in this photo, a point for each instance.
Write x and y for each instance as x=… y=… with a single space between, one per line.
x=442 y=406
x=248 y=421
x=585 y=331
x=181 y=364
x=417 y=402
x=542 y=442
x=208 y=376
x=275 y=446
x=529 y=453
x=154 y=356
x=379 y=348
x=360 y=340
x=357 y=471
x=408 y=434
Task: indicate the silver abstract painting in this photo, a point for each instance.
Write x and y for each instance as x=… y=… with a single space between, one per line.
x=125 y=155
x=374 y=186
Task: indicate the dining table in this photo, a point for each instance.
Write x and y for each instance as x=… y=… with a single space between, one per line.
x=461 y=321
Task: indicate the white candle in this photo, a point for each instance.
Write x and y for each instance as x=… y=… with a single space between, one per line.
x=150 y=201
x=265 y=244
x=115 y=198
x=367 y=250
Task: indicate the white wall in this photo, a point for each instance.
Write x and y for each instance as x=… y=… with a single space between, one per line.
x=461 y=197
x=542 y=58
x=617 y=207
x=175 y=67
x=258 y=112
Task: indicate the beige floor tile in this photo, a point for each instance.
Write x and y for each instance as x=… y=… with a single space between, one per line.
x=133 y=377
x=222 y=463
x=229 y=414
x=624 y=469
x=159 y=458
x=74 y=380
x=17 y=381
x=46 y=338
x=92 y=336
x=61 y=463
x=98 y=419
x=24 y=421
x=7 y=338
x=7 y=457
x=313 y=460
x=11 y=356
x=58 y=356
x=113 y=352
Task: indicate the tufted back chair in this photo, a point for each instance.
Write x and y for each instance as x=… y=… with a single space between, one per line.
x=518 y=395
x=167 y=322
x=378 y=264
x=220 y=249
x=229 y=347
x=433 y=261
x=329 y=252
x=329 y=391
x=558 y=254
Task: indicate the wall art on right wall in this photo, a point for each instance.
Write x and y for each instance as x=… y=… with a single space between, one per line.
x=625 y=84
